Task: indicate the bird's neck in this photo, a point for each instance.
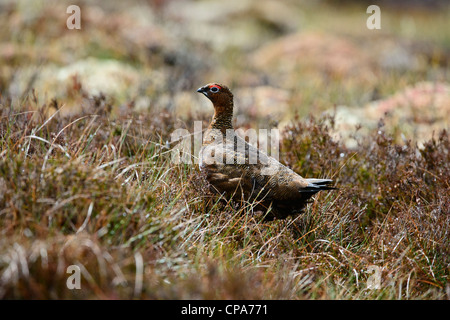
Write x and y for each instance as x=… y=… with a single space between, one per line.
x=223 y=116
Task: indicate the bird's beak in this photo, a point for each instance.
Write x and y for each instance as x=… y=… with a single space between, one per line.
x=203 y=90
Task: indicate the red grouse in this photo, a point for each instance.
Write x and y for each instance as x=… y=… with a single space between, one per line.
x=241 y=171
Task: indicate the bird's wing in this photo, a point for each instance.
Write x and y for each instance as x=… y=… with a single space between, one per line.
x=243 y=166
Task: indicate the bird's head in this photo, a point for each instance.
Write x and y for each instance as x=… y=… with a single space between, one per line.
x=219 y=94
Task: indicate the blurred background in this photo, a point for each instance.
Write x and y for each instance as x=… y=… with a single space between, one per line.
x=281 y=58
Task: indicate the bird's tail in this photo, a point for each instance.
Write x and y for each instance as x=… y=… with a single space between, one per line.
x=316 y=185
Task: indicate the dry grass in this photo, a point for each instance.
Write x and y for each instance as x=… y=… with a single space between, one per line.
x=103 y=194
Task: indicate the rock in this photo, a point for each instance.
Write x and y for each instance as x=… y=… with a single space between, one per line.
x=314 y=52
x=397 y=57
x=110 y=77
x=414 y=113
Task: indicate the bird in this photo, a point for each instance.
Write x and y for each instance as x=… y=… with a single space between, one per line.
x=242 y=172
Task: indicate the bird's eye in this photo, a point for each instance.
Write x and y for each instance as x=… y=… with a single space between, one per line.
x=214 y=89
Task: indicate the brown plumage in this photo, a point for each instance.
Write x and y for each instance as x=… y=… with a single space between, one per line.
x=241 y=171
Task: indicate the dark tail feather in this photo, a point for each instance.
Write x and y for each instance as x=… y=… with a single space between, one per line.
x=315 y=185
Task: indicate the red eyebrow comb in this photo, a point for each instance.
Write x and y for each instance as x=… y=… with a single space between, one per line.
x=215 y=86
